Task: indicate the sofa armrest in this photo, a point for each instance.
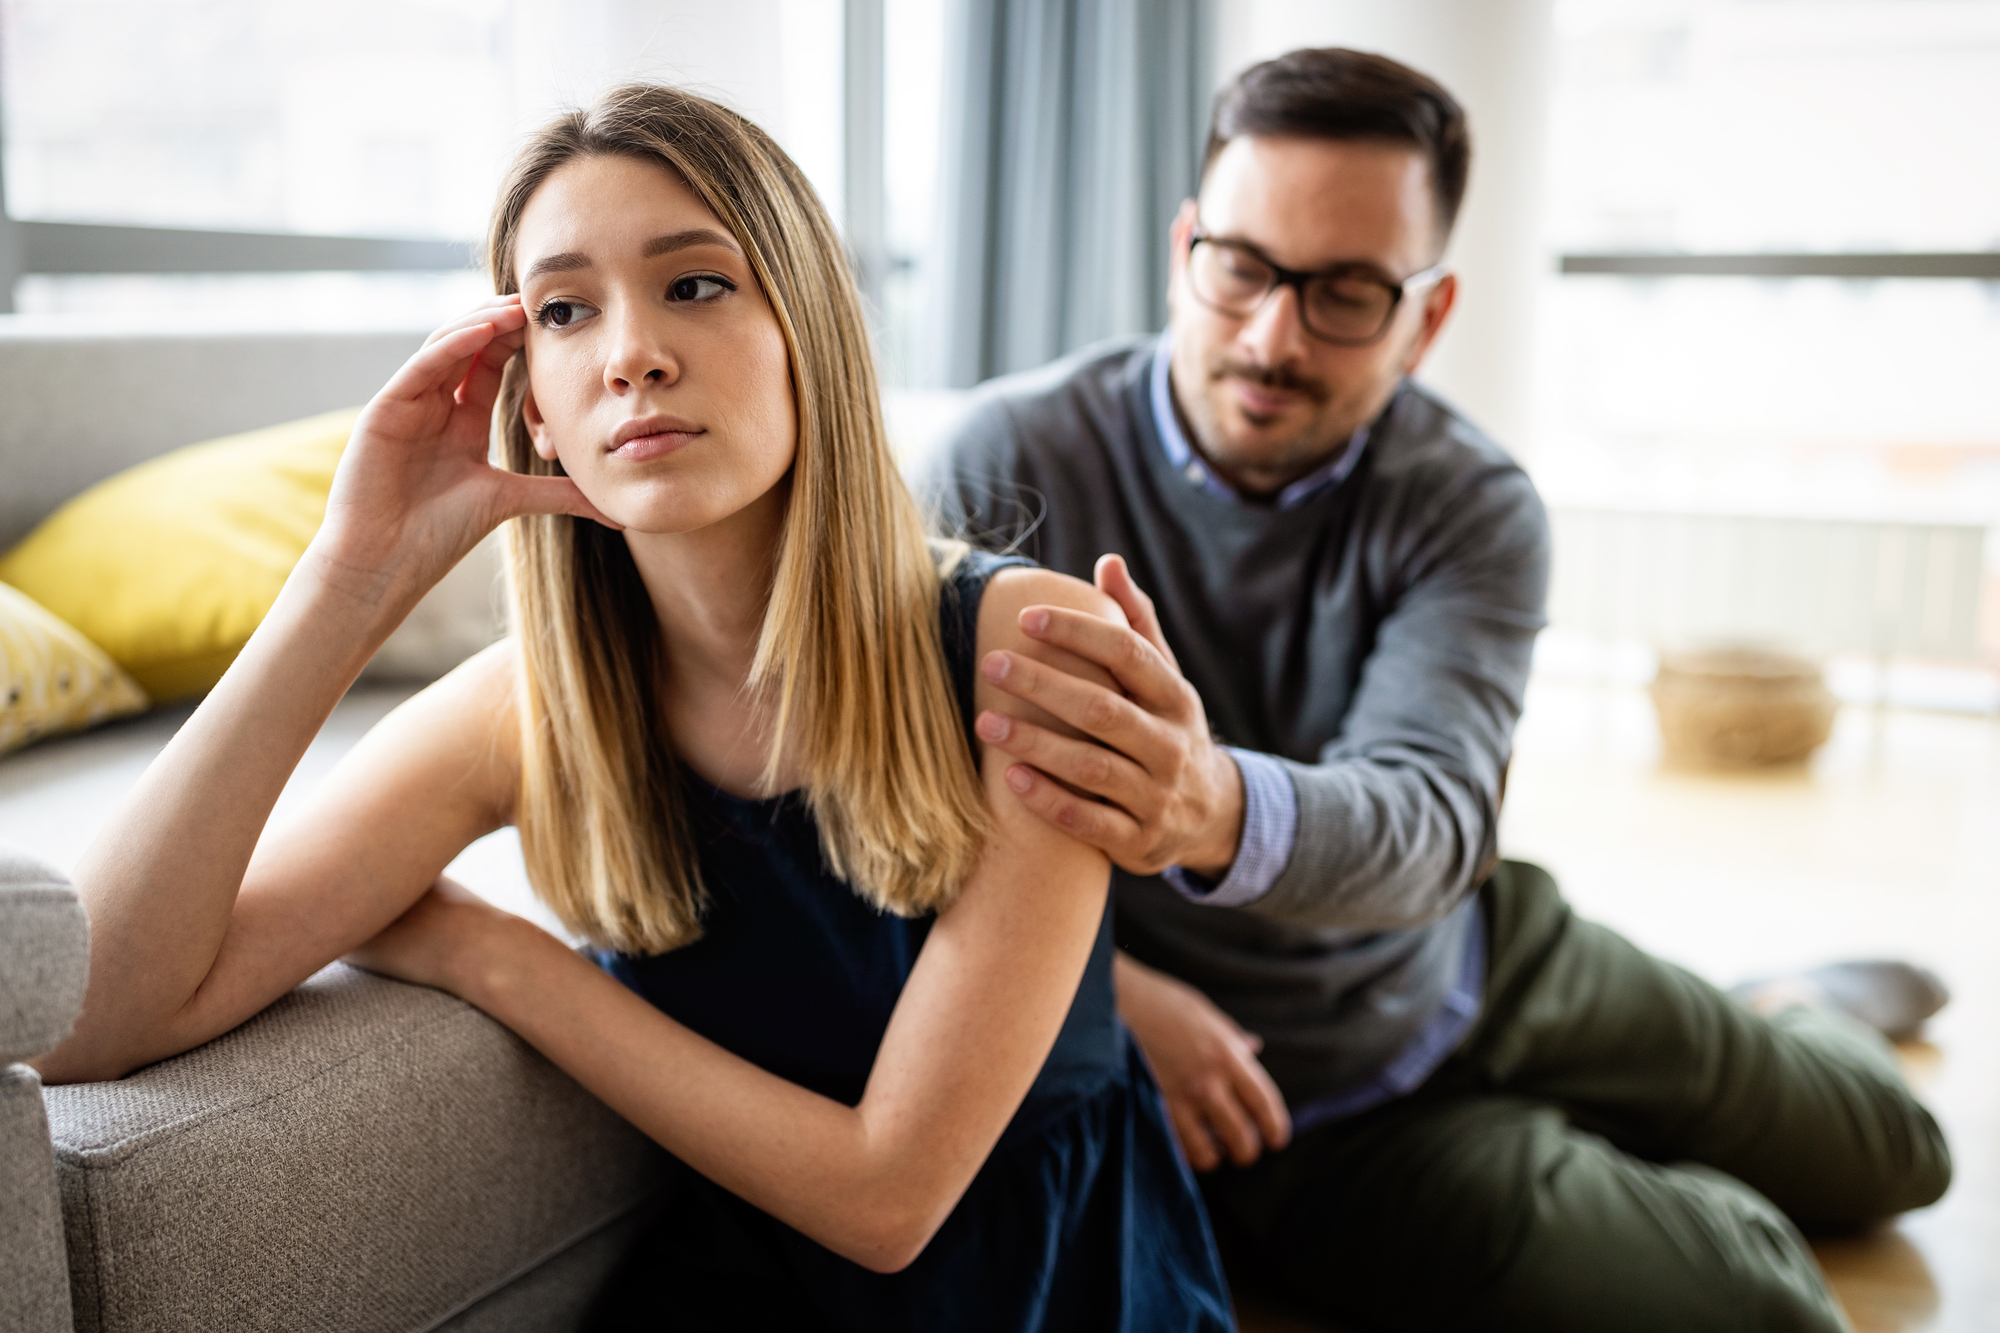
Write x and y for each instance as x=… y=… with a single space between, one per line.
x=44 y=955
x=44 y=959
x=364 y=1154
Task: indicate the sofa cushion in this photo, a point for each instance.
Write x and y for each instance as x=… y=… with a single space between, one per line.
x=170 y=566
x=44 y=955
x=52 y=678
x=363 y=1155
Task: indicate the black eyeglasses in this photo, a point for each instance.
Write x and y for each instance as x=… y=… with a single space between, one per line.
x=1349 y=305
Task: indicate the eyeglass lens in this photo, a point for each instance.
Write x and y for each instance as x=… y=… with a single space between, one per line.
x=1338 y=307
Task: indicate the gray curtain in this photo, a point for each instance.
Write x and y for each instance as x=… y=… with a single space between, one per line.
x=1072 y=131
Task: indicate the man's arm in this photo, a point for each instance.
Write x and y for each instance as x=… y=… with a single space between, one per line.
x=1396 y=820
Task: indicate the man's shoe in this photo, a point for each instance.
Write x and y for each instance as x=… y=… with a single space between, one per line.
x=1890 y=996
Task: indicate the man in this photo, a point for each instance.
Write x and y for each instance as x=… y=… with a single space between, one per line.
x=1443 y=1100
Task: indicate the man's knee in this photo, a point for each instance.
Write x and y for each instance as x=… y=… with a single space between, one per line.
x=1883 y=1155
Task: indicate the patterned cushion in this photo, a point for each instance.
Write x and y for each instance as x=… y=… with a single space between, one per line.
x=51 y=677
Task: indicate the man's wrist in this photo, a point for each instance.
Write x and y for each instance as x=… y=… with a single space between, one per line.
x=1266 y=835
x=1217 y=852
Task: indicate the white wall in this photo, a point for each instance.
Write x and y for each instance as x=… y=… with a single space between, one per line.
x=1494 y=55
x=776 y=61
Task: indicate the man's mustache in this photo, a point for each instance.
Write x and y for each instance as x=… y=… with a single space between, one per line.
x=1274 y=377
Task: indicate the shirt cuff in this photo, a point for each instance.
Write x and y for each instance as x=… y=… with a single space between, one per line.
x=1270 y=827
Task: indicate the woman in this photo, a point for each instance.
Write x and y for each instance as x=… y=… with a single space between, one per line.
x=845 y=977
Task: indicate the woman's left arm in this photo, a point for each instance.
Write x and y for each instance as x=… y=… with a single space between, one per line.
x=972 y=1028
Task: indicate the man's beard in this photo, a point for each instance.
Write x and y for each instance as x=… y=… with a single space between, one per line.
x=1311 y=443
x=1272 y=377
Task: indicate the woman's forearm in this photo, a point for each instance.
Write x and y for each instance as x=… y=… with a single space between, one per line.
x=160 y=880
x=809 y=1160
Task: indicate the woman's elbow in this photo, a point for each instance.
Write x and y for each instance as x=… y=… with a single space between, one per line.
x=79 y=1061
x=887 y=1236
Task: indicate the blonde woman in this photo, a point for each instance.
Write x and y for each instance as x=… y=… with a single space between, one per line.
x=840 y=972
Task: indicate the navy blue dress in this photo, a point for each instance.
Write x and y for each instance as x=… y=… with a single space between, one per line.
x=1085 y=1217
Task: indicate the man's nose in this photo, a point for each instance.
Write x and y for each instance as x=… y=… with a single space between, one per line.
x=1274 y=333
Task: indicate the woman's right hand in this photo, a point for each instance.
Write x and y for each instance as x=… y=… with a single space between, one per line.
x=414 y=491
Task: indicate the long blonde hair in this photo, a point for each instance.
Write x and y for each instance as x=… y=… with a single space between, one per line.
x=849 y=654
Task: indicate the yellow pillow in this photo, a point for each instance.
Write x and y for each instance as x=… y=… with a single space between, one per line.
x=169 y=566
x=52 y=678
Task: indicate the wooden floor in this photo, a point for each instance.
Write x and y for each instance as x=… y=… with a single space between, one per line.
x=1887 y=845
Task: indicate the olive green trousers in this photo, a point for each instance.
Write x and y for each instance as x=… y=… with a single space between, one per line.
x=1617 y=1145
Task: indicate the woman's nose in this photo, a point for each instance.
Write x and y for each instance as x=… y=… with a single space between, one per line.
x=638 y=360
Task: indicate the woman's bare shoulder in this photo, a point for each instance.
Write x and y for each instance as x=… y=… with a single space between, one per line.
x=1016 y=588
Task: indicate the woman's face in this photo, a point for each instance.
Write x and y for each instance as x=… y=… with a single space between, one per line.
x=656 y=370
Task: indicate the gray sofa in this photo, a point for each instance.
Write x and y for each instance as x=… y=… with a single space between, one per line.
x=364 y=1155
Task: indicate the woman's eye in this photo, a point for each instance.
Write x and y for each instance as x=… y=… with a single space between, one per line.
x=561 y=314
x=699 y=287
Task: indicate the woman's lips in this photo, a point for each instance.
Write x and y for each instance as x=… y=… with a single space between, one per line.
x=657 y=445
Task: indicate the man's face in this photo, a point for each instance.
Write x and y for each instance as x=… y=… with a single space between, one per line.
x=1268 y=401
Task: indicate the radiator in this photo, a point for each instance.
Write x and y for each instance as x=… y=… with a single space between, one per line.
x=1887 y=590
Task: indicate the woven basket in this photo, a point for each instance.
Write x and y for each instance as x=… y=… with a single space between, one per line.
x=1740 y=708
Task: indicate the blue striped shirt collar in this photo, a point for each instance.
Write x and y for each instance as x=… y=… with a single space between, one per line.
x=1182 y=458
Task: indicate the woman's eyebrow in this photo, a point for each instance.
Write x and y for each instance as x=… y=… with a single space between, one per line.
x=682 y=240
x=571 y=260
x=562 y=263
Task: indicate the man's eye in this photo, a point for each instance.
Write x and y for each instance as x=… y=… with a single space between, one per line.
x=1239 y=265
x=699 y=287
x=561 y=314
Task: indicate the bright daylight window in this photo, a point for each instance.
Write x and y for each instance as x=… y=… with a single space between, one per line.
x=366 y=118
x=1775 y=127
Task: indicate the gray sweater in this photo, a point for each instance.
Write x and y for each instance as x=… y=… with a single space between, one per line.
x=1375 y=638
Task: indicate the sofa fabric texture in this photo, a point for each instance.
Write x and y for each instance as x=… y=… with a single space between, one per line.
x=34 y=1275
x=365 y=1155
x=44 y=958
x=44 y=955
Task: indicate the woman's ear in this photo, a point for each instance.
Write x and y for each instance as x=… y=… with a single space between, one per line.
x=538 y=429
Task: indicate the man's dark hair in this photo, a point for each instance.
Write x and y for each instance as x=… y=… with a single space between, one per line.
x=1334 y=93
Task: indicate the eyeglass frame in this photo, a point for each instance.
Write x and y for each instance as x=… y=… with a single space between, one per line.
x=1297 y=279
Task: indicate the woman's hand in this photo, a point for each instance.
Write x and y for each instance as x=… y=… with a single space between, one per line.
x=447 y=939
x=414 y=492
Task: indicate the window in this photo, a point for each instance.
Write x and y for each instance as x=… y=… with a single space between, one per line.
x=1761 y=137
x=368 y=119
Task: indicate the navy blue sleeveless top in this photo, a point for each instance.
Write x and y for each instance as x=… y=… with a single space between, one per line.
x=1084 y=1217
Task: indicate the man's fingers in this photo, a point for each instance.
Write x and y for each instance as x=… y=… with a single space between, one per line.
x=1192 y=1131
x=1256 y=1091
x=1115 y=581
x=1092 y=709
x=1229 y=1121
x=1104 y=827
x=1084 y=764
x=1140 y=668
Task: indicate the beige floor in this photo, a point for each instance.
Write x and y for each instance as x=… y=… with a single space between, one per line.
x=1888 y=844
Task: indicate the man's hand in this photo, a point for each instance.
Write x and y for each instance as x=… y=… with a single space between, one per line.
x=1219 y=1097
x=1169 y=795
